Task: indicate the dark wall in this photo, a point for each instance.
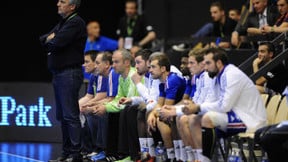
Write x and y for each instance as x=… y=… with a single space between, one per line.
x=23 y=59
x=24 y=21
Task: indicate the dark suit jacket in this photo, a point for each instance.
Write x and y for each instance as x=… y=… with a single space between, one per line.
x=253 y=20
x=66 y=49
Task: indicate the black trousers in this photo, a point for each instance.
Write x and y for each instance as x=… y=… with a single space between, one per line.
x=128 y=132
x=112 y=134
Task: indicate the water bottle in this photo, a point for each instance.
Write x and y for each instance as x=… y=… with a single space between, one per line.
x=238 y=157
x=160 y=152
x=232 y=156
x=265 y=158
x=145 y=152
x=235 y=154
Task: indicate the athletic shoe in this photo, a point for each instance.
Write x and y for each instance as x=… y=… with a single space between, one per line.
x=92 y=154
x=127 y=159
x=109 y=158
x=100 y=155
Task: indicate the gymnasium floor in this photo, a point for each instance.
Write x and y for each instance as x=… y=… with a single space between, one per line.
x=28 y=152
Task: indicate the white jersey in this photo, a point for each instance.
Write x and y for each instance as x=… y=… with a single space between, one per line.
x=238 y=93
x=148 y=91
x=174 y=69
x=204 y=91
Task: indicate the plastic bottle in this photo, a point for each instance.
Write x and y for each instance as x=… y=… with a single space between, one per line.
x=265 y=158
x=160 y=152
x=145 y=152
x=235 y=154
x=238 y=157
x=231 y=156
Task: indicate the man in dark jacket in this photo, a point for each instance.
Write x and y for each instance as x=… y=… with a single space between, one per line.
x=65 y=45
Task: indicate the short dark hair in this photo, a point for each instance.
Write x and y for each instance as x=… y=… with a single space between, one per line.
x=106 y=57
x=162 y=58
x=218 y=5
x=144 y=53
x=270 y=46
x=218 y=54
x=93 y=54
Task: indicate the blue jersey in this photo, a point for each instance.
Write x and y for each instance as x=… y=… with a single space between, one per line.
x=101 y=44
x=97 y=83
x=112 y=87
x=173 y=88
x=91 y=88
x=102 y=84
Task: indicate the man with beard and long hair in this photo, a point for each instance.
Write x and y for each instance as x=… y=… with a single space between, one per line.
x=233 y=112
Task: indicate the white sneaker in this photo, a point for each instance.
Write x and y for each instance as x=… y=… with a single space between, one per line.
x=92 y=154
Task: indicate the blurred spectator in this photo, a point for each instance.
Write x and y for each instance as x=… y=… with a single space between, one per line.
x=281 y=24
x=234 y=14
x=220 y=28
x=96 y=41
x=262 y=15
x=223 y=26
x=133 y=30
x=276 y=79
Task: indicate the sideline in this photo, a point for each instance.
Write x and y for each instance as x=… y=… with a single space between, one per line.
x=18 y=156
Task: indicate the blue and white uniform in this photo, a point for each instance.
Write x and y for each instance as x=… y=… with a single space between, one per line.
x=91 y=88
x=97 y=83
x=204 y=91
x=113 y=80
x=173 y=88
x=237 y=97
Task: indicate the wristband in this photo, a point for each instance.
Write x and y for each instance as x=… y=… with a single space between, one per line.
x=179 y=110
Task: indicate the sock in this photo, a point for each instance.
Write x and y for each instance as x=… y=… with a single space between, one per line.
x=151 y=146
x=170 y=153
x=82 y=120
x=183 y=154
x=143 y=144
x=197 y=153
x=177 y=149
x=190 y=154
x=208 y=141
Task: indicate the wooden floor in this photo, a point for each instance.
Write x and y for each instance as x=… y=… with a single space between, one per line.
x=28 y=152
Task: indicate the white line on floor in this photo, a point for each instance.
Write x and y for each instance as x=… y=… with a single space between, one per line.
x=23 y=157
